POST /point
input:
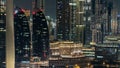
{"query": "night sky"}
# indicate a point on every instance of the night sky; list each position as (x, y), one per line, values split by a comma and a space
(49, 6)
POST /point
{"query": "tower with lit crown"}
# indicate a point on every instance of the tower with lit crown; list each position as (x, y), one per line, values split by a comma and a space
(101, 10)
(22, 36)
(40, 33)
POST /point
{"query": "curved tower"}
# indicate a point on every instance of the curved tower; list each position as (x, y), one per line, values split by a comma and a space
(22, 36)
(40, 35)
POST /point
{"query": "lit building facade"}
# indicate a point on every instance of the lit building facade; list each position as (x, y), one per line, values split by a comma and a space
(2, 36)
(72, 19)
(40, 31)
(115, 24)
(39, 4)
(101, 19)
(79, 27)
(2, 31)
(63, 23)
(118, 16)
(87, 21)
(22, 36)
(40, 35)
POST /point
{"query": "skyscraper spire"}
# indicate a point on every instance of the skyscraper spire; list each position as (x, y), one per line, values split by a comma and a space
(42, 3)
(39, 4)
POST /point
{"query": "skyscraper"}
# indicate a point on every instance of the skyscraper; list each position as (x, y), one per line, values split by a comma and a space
(101, 19)
(87, 21)
(2, 36)
(40, 36)
(72, 19)
(118, 16)
(40, 31)
(22, 36)
(2, 31)
(63, 22)
(80, 22)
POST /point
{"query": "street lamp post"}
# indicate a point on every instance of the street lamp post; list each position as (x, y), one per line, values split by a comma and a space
(10, 48)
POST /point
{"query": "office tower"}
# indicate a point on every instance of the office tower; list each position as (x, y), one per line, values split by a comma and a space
(87, 21)
(118, 15)
(22, 36)
(79, 22)
(101, 19)
(40, 35)
(40, 32)
(72, 19)
(118, 21)
(2, 36)
(39, 4)
(63, 22)
(109, 16)
(2, 31)
(115, 18)
(114, 24)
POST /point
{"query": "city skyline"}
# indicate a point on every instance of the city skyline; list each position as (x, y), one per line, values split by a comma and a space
(87, 34)
(50, 6)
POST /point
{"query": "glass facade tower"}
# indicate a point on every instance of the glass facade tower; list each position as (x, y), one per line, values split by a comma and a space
(40, 36)
(22, 36)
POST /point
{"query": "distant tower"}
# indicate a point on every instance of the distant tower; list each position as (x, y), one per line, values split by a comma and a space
(101, 20)
(40, 32)
(63, 19)
(72, 19)
(22, 36)
(2, 31)
(40, 35)
(39, 4)
(42, 4)
(87, 22)
(79, 21)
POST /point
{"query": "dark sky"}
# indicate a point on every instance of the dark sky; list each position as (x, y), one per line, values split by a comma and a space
(49, 6)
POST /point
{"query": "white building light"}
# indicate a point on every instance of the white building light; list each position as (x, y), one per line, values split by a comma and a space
(72, 4)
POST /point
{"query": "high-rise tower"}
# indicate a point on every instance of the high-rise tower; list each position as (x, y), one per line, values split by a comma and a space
(2, 31)
(40, 36)
(22, 36)
(63, 16)
(101, 10)
(40, 32)
(39, 4)
(87, 21)
(72, 19)
(2, 36)
(79, 21)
